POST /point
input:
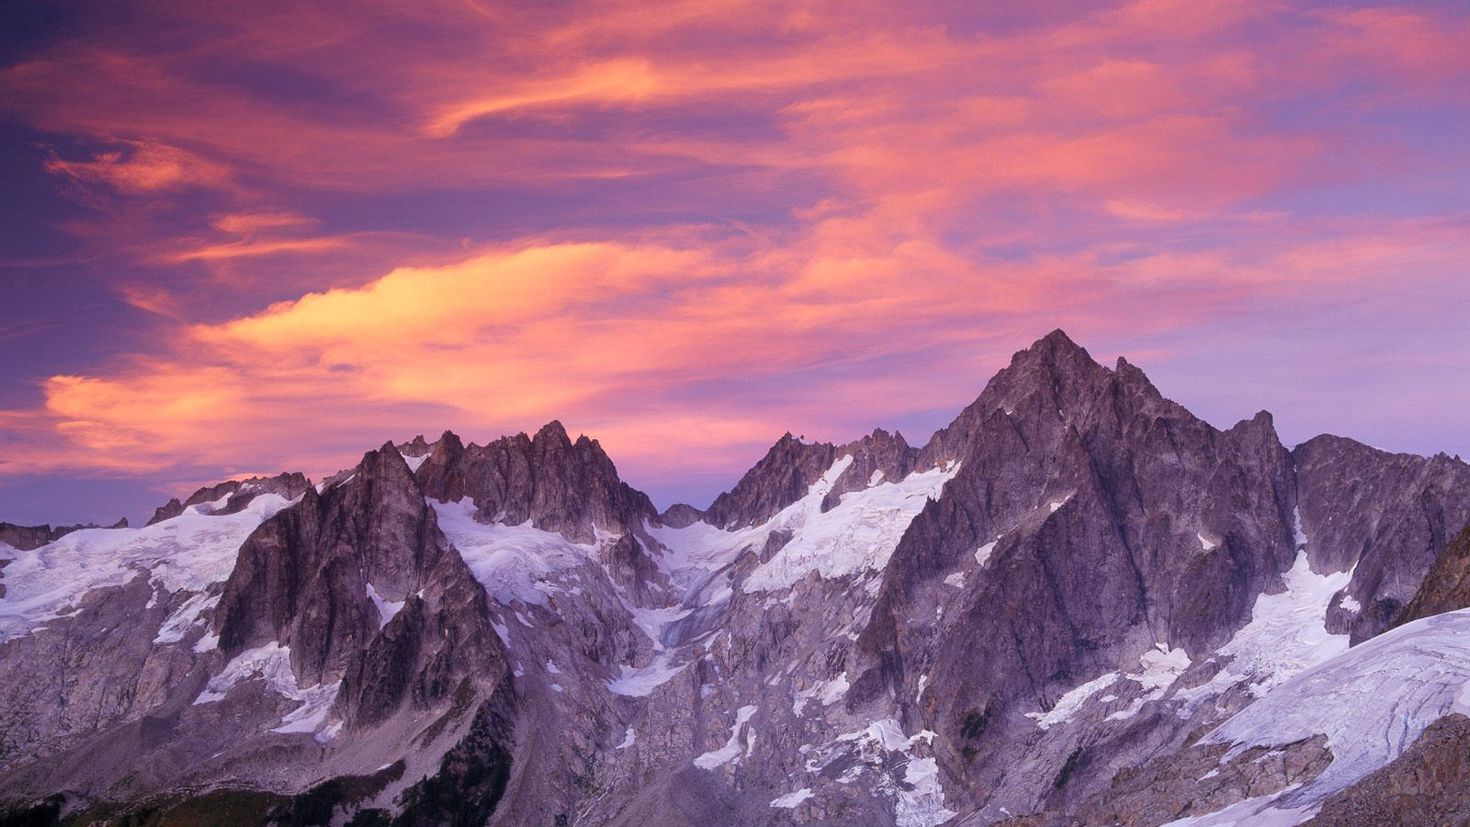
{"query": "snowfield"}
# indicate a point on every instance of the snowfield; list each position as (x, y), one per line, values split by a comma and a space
(1371, 702)
(512, 562)
(187, 553)
(858, 534)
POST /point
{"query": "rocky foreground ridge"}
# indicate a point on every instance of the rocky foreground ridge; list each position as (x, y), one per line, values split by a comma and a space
(1076, 604)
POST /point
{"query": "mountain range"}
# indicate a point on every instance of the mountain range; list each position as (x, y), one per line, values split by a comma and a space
(1078, 603)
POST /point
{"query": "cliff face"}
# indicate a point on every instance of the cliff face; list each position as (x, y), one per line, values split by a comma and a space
(1384, 516)
(359, 584)
(1446, 587)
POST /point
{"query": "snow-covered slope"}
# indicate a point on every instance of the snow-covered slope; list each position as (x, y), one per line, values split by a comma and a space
(1370, 701)
(856, 535)
(186, 553)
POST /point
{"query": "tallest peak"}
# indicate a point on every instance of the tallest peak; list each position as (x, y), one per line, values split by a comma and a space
(552, 430)
(1057, 343)
(1055, 350)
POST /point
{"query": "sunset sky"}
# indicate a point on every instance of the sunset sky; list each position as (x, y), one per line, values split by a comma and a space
(241, 238)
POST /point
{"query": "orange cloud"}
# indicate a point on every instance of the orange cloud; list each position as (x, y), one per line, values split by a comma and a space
(142, 167)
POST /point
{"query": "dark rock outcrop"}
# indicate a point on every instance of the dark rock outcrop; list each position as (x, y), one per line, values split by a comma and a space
(788, 470)
(1447, 585)
(25, 537)
(781, 477)
(28, 537)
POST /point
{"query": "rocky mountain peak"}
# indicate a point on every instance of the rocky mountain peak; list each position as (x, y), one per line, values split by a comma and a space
(1037, 613)
(557, 484)
(416, 447)
(780, 478)
(552, 433)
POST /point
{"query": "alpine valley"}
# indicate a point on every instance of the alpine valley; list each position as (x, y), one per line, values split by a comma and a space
(1076, 604)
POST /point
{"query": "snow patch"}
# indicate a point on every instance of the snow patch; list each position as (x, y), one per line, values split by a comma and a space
(922, 804)
(1161, 667)
(792, 800)
(1205, 543)
(858, 534)
(629, 739)
(732, 749)
(272, 664)
(1287, 634)
(827, 692)
(1068, 705)
(1371, 701)
(982, 554)
(387, 609)
(918, 799)
(178, 624)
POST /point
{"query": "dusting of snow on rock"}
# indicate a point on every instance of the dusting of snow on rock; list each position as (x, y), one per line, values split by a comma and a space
(1067, 705)
(956, 580)
(511, 562)
(387, 609)
(792, 800)
(187, 553)
(733, 748)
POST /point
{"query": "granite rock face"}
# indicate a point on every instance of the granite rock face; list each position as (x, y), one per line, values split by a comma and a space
(1447, 585)
(1042, 616)
(315, 579)
(1385, 516)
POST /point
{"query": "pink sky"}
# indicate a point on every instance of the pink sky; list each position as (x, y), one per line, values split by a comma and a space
(253, 238)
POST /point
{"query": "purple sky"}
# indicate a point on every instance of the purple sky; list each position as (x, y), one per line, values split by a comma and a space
(242, 239)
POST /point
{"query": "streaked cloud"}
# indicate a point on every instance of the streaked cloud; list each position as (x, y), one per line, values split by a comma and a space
(697, 227)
